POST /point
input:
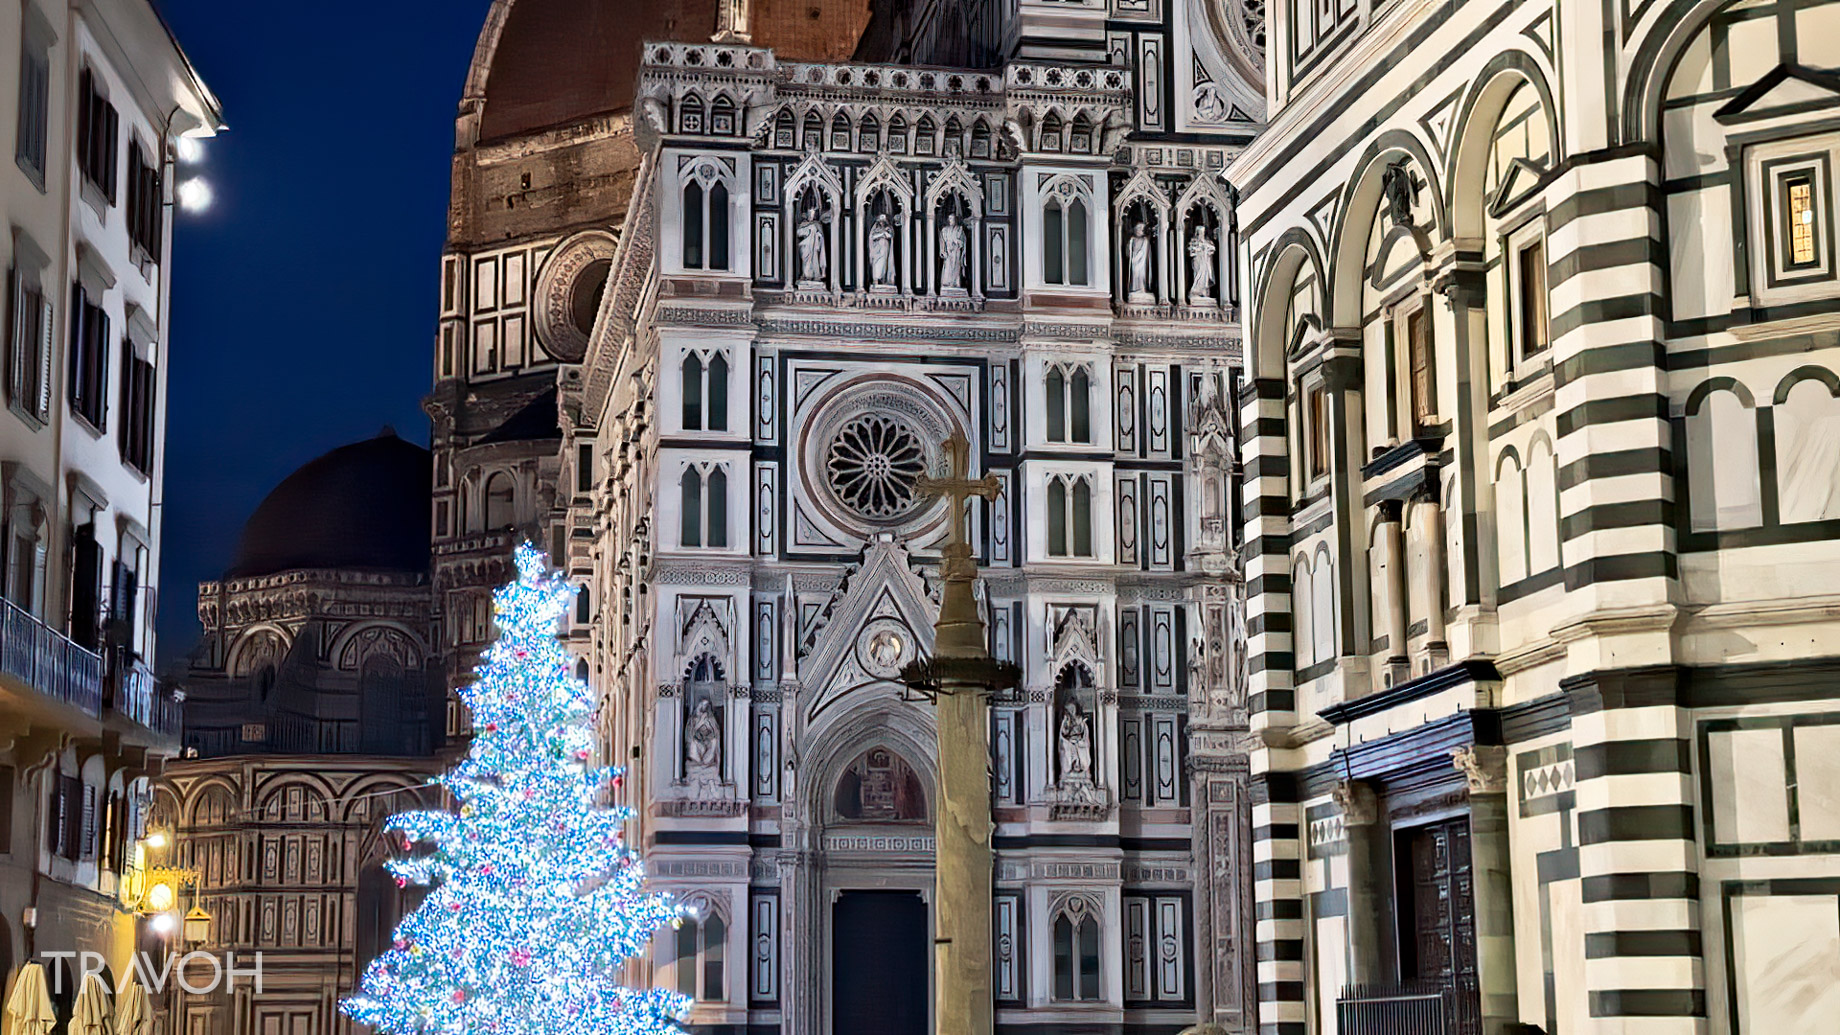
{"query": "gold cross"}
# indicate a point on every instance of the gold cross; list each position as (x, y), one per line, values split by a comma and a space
(957, 487)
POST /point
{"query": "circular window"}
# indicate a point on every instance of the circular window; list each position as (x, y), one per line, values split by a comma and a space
(585, 298)
(872, 465)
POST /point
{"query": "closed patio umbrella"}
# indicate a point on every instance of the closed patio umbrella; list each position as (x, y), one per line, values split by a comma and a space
(28, 1009)
(91, 1015)
(133, 1010)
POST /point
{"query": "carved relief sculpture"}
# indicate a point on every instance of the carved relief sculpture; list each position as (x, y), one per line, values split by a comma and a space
(952, 256)
(1137, 260)
(812, 268)
(1201, 249)
(703, 750)
(1076, 745)
(881, 254)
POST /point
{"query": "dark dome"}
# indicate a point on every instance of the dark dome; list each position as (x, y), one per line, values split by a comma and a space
(363, 506)
(559, 61)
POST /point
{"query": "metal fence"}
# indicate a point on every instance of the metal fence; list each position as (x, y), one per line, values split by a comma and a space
(48, 661)
(1410, 1008)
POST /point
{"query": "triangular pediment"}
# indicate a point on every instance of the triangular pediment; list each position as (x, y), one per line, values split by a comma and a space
(886, 595)
(1521, 180)
(1787, 89)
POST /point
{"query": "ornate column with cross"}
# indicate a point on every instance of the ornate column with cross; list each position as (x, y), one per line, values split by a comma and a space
(959, 676)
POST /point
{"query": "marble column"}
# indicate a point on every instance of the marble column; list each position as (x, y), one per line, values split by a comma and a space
(1369, 957)
(1428, 518)
(1392, 545)
(1486, 770)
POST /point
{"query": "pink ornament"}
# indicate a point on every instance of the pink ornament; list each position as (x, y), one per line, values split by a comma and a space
(459, 995)
(520, 957)
(402, 882)
(401, 944)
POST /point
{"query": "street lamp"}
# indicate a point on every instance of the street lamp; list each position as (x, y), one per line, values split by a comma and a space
(197, 923)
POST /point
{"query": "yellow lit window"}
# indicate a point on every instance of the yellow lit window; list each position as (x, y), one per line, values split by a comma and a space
(1801, 221)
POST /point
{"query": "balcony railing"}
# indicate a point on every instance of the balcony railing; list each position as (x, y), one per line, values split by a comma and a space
(138, 697)
(1413, 1008)
(48, 661)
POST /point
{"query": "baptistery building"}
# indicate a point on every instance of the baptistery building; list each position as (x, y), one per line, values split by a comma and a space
(1541, 516)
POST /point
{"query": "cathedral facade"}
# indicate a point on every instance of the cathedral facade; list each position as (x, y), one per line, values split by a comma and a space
(827, 270)
(1541, 369)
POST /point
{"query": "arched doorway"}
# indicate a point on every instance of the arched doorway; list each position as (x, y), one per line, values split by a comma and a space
(879, 867)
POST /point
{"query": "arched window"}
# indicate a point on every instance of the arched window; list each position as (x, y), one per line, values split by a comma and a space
(1053, 244)
(722, 117)
(784, 128)
(718, 393)
(1079, 390)
(718, 226)
(1322, 601)
(690, 115)
(1303, 616)
(693, 225)
(1069, 516)
(701, 946)
(1543, 507)
(1057, 527)
(584, 610)
(690, 505)
(813, 131)
(897, 134)
(955, 134)
(1807, 451)
(1510, 520)
(693, 392)
(840, 132)
(980, 140)
(1065, 240)
(926, 133)
(1076, 953)
(381, 687)
(1051, 132)
(1723, 487)
(1082, 518)
(501, 502)
(705, 220)
(718, 507)
(581, 669)
(1081, 141)
(703, 498)
(869, 135)
(1056, 388)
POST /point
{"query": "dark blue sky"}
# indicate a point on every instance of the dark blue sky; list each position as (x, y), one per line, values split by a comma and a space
(304, 299)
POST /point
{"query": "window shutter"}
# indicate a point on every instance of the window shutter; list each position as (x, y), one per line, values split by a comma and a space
(17, 329)
(72, 808)
(43, 332)
(87, 846)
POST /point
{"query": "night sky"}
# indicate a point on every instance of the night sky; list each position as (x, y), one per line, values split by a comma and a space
(304, 300)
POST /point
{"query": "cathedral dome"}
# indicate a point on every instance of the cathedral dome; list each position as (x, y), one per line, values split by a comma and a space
(551, 62)
(362, 506)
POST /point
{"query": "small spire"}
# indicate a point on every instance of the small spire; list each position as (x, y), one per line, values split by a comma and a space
(389, 431)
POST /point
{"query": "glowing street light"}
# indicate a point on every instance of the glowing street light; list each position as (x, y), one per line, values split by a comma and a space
(194, 195)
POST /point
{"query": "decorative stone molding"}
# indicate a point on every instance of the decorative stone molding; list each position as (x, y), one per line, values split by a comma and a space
(1485, 768)
(1356, 802)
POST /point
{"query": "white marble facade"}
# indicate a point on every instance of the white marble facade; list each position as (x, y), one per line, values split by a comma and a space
(827, 271)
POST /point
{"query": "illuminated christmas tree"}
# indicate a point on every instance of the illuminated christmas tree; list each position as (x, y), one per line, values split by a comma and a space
(536, 902)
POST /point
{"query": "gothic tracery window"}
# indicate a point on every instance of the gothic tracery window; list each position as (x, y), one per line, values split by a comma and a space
(1076, 952)
(1064, 241)
(703, 507)
(1069, 404)
(701, 944)
(705, 393)
(872, 466)
(1069, 516)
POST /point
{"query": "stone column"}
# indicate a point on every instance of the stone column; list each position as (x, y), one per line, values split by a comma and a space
(1430, 520)
(1486, 769)
(1393, 556)
(1369, 956)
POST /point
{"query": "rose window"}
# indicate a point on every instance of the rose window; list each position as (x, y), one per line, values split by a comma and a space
(873, 464)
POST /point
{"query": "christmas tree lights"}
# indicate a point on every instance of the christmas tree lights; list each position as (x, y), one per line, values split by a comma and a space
(536, 902)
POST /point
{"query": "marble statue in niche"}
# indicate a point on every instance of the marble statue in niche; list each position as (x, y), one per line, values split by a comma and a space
(812, 267)
(880, 787)
(1137, 261)
(881, 253)
(1075, 745)
(703, 747)
(952, 255)
(1201, 249)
